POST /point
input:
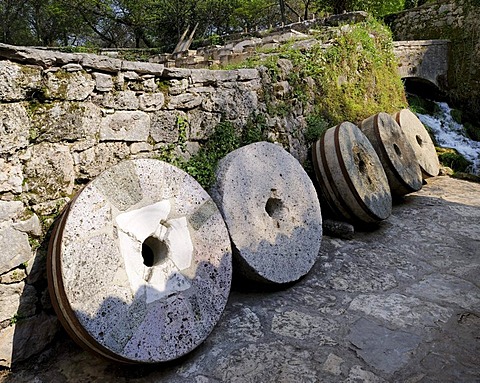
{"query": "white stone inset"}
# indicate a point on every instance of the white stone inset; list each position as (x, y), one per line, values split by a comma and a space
(163, 277)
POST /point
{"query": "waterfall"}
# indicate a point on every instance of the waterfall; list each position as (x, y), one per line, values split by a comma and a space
(450, 134)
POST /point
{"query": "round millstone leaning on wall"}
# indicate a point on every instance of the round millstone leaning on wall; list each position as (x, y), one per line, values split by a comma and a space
(351, 177)
(272, 213)
(421, 142)
(139, 264)
(395, 152)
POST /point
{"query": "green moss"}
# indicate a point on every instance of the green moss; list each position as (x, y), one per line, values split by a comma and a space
(473, 131)
(454, 160)
(355, 77)
(316, 126)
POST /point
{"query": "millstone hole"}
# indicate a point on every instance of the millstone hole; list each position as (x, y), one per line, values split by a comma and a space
(154, 251)
(419, 140)
(397, 150)
(274, 207)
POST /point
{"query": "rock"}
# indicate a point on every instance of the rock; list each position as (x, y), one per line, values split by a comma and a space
(17, 300)
(391, 354)
(13, 276)
(69, 86)
(338, 229)
(164, 126)
(30, 226)
(17, 81)
(127, 126)
(65, 121)
(14, 249)
(26, 338)
(185, 101)
(122, 100)
(11, 176)
(333, 364)
(50, 173)
(10, 210)
(271, 210)
(103, 82)
(14, 127)
(151, 102)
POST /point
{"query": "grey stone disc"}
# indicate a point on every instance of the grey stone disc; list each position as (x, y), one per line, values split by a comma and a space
(421, 142)
(272, 213)
(139, 264)
(395, 152)
(351, 177)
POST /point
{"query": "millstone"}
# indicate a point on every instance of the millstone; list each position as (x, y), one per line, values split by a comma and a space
(272, 213)
(351, 177)
(421, 142)
(395, 152)
(139, 264)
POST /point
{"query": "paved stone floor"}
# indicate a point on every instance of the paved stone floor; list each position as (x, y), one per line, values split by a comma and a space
(397, 304)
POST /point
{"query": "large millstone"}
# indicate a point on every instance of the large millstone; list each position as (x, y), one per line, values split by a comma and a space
(272, 213)
(395, 152)
(139, 264)
(421, 142)
(350, 175)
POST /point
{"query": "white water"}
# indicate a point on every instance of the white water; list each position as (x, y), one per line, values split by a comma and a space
(450, 134)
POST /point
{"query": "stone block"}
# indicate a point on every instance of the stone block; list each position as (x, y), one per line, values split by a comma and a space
(185, 101)
(14, 249)
(70, 86)
(151, 102)
(26, 338)
(164, 126)
(202, 124)
(130, 126)
(14, 127)
(11, 176)
(50, 173)
(18, 81)
(123, 100)
(10, 210)
(65, 121)
(103, 82)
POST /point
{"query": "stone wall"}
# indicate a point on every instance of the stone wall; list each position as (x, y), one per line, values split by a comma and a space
(457, 21)
(64, 118)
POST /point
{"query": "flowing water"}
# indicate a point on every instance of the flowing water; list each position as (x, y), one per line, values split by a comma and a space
(450, 134)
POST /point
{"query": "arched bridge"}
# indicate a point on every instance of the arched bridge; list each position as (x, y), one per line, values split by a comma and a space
(423, 59)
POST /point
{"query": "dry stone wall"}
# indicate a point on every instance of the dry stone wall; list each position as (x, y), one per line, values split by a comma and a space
(64, 118)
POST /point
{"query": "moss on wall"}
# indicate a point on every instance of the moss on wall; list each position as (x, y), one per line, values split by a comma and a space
(457, 21)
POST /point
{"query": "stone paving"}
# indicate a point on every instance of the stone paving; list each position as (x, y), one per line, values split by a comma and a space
(400, 303)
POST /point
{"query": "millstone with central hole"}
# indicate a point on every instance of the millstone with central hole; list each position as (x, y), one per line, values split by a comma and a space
(272, 213)
(351, 177)
(395, 152)
(139, 264)
(420, 141)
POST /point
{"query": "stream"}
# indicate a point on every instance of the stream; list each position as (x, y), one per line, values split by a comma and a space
(450, 134)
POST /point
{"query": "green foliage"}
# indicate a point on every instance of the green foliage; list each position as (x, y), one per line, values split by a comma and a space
(316, 126)
(202, 165)
(452, 159)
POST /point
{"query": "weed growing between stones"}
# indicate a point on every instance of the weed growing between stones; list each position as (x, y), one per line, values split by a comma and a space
(354, 77)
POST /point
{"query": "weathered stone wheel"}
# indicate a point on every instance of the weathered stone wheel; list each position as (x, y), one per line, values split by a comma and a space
(272, 213)
(350, 175)
(395, 152)
(421, 142)
(139, 264)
